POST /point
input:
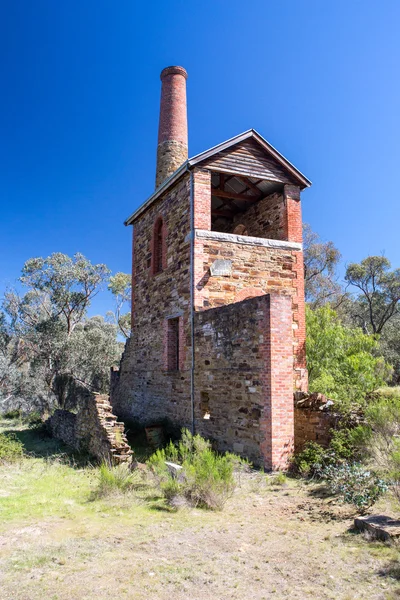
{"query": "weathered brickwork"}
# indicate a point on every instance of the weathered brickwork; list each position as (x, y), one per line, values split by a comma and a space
(314, 419)
(260, 268)
(243, 378)
(218, 326)
(172, 148)
(265, 219)
(148, 391)
(94, 429)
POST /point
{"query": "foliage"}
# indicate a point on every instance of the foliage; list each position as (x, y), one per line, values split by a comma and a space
(320, 263)
(381, 438)
(12, 414)
(389, 345)
(114, 479)
(206, 479)
(355, 484)
(313, 459)
(342, 362)
(64, 286)
(48, 336)
(11, 449)
(380, 291)
(120, 286)
(279, 479)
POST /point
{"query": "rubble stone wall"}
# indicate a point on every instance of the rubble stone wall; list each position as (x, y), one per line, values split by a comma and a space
(314, 420)
(94, 429)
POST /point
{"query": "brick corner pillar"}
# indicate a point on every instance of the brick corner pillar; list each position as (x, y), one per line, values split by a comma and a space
(277, 420)
(172, 149)
(294, 233)
(202, 199)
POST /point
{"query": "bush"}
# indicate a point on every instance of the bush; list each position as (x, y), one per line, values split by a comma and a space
(206, 478)
(114, 479)
(11, 449)
(355, 484)
(12, 414)
(344, 446)
(342, 362)
(34, 420)
(381, 438)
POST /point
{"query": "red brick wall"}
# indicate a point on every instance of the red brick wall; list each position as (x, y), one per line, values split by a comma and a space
(202, 199)
(278, 423)
(294, 232)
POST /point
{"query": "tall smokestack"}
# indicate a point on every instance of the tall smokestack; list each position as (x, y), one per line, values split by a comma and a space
(172, 149)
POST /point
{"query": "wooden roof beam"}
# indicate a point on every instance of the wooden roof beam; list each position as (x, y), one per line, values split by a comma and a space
(250, 185)
(232, 195)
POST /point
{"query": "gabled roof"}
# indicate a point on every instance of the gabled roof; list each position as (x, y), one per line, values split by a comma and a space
(254, 135)
(251, 134)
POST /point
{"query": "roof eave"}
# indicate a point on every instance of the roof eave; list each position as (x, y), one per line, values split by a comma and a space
(172, 179)
(252, 133)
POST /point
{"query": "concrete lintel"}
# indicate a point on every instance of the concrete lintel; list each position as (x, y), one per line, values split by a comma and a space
(246, 240)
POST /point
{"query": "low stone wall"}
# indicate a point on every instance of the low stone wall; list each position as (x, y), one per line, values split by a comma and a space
(94, 429)
(314, 419)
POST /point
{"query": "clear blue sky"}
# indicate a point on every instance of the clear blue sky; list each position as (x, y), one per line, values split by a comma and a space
(79, 113)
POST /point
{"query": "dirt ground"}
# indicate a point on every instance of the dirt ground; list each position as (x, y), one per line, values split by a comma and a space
(270, 541)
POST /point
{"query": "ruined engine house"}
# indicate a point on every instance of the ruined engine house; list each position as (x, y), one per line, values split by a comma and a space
(218, 320)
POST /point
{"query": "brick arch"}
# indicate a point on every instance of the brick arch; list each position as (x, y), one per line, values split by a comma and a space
(248, 292)
(159, 246)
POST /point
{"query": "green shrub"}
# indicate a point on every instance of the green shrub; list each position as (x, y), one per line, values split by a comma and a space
(114, 479)
(206, 478)
(355, 484)
(311, 460)
(11, 449)
(34, 420)
(381, 438)
(279, 479)
(342, 362)
(344, 446)
(12, 414)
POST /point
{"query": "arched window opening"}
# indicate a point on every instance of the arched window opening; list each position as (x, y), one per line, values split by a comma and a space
(158, 246)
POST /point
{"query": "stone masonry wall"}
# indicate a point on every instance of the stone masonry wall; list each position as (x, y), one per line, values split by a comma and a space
(243, 378)
(147, 391)
(314, 420)
(94, 429)
(255, 270)
(264, 219)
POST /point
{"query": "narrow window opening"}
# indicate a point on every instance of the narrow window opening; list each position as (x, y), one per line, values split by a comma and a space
(158, 247)
(205, 405)
(173, 349)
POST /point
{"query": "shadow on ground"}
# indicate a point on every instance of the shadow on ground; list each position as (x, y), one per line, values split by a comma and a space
(38, 443)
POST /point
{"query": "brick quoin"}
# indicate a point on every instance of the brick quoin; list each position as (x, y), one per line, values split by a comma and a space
(294, 233)
(202, 199)
(278, 419)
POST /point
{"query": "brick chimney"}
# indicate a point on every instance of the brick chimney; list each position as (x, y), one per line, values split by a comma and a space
(172, 148)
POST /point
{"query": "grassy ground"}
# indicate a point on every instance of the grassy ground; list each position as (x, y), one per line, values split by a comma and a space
(289, 541)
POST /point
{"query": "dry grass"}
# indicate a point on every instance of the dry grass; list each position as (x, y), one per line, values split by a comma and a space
(280, 539)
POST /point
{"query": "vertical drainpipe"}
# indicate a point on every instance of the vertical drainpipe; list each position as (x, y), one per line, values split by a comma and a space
(192, 295)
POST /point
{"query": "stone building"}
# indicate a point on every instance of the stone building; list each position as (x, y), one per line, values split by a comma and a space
(218, 324)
